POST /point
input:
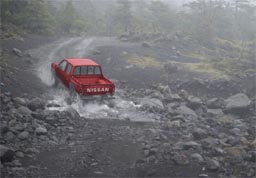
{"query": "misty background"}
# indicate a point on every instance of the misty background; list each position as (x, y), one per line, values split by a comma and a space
(203, 20)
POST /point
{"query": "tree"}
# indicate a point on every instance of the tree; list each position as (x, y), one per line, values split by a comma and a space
(31, 15)
(67, 17)
(162, 18)
(246, 21)
(203, 15)
(123, 15)
(69, 21)
(142, 18)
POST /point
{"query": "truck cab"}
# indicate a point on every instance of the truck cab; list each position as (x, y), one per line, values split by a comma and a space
(82, 76)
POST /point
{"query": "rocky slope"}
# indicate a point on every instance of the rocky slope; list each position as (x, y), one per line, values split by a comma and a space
(206, 137)
(188, 126)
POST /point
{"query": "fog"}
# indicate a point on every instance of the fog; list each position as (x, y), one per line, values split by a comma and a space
(175, 98)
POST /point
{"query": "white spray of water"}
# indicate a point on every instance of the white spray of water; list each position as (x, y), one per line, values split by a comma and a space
(118, 109)
(73, 47)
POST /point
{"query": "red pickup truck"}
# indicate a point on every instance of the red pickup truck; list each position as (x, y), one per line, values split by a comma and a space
(82, 76)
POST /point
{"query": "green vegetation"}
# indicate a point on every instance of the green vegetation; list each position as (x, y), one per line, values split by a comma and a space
(143, 61)
(201, 20)
(33, 16)
(68, 21)
(207, 68)
(41, 17)
(223, 68)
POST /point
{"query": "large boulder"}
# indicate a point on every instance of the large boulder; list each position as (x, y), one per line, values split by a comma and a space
(23, 135)
(237, 104)
(186, 112)
(20, 101)
(36, 103)
(6, 154)
(152, 104)
(24, 111)
(194, 102)
(72, 113)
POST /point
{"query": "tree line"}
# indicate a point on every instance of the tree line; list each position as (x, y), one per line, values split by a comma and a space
(203, 20)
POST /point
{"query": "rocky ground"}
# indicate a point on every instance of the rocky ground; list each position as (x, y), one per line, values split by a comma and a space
(181, 127)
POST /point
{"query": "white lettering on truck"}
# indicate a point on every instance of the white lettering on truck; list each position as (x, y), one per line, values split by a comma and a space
(89, 90)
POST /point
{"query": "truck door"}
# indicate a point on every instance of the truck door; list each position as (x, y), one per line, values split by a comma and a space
(60, 70)
(66, 75)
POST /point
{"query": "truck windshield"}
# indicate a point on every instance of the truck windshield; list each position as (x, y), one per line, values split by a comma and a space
(87, 70)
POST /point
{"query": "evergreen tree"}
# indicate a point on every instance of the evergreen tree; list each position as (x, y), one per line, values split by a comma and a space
(31, 15)
(123, 16)
(69, 21)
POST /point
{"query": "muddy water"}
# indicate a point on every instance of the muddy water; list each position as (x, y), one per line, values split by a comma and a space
(118, 108)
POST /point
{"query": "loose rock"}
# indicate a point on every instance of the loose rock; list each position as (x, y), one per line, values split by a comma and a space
(6, 154)
(187, 112)
(213, 165)
(40, 130)
(20, 101)
(194, 102)
(24, 111)
(186, 145)
(23, 135)
(214, 112)
(199, 133)
(180, 159)
(238, 103)
(152, 103)
(36, 103)
(197, 157)
(17, 52)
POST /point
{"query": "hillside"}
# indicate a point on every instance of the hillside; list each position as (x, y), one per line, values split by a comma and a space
(185, 96)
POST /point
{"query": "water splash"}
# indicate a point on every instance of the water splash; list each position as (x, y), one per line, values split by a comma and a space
(64, 48)
(117, 108)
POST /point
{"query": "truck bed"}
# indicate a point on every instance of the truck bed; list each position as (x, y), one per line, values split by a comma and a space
(93, 81)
